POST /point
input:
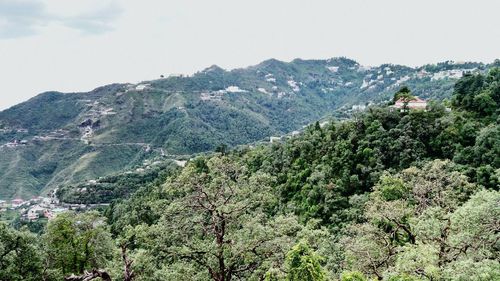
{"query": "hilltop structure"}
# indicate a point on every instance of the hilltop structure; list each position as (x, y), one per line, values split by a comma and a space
(415, 103)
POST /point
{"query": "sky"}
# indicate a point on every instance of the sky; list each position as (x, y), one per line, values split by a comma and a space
(74, 46)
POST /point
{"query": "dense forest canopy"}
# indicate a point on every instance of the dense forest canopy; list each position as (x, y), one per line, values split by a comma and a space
(389, 194)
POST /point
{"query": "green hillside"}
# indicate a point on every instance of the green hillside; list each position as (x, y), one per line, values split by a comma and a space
(386, 195)
(74, 137)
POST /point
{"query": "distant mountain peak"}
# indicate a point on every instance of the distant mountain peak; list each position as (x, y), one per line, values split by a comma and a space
(213, 68)
(342, 60)
(272, 62)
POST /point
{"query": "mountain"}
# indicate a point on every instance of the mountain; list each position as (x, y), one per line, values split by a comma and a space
(384, 195)
(55, 139)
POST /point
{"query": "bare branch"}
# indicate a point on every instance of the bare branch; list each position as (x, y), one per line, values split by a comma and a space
(87, 276)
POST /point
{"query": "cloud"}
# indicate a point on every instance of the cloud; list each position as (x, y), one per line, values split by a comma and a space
(21, 18)
(94, 22)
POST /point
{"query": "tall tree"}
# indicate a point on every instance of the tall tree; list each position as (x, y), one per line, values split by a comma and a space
(218, 222)
(20, 255)
(403, 91)
(78, 242)
(423, 224)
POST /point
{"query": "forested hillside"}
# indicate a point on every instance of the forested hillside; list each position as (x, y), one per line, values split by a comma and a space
(57, 139)
(387, 195)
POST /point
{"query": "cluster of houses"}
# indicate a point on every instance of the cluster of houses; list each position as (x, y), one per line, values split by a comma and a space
(277, 139)
(7, 130)
(42, 207)
(16, 143)
(35, 208)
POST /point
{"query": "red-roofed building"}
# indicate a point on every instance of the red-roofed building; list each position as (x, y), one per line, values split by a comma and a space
(416, 103)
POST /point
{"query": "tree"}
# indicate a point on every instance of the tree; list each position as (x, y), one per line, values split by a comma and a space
(302, 264)
(126, 241)
(478, 94)
(221, 148)
(487, 146)
(424, 224)
(402, 92)
(465, 89)
(217, 223)
(397, 207)
(475, 228)
(20, 255)
(484, 104)
(274, 274)
(78, 242)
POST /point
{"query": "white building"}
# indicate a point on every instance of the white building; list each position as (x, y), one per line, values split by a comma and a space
(35, 212)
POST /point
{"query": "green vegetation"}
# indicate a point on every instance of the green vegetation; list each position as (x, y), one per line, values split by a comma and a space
(427, 227)
(75, 243)
(303, 264)
(34, 169)
(108, 188)
(19, 255)
(386, 195)
(188, 115)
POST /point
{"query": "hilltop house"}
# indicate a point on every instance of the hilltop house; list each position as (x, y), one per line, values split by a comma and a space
(416, 103)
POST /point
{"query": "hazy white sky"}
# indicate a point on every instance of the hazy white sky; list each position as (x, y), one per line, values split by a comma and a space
(77, 45)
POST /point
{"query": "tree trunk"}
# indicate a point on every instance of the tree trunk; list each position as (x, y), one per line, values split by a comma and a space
(128, 273)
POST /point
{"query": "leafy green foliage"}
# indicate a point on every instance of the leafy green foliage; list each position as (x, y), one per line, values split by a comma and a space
(479, 94)
(429, 230)
(216, 223)
(19, 255)
(353, 276)
(303, 264)
(109, 188)
(77, 242)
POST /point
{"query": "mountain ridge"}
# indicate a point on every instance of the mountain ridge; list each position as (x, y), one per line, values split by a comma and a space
(72, 137)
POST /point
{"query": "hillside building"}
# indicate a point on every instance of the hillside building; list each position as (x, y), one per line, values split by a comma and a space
(416, 103)
(17, 203)
(3, 205)
(35, 212)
